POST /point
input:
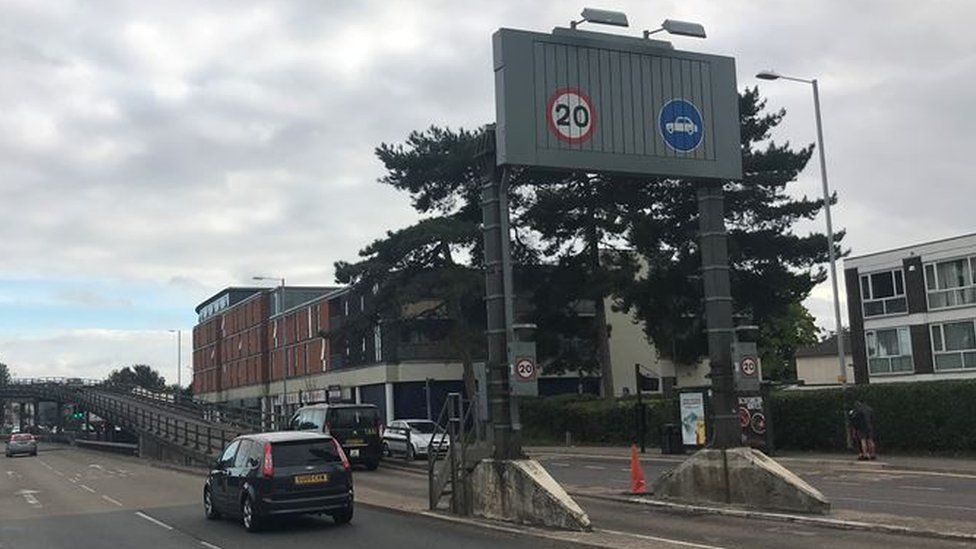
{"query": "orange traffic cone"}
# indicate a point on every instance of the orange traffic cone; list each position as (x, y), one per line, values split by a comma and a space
(637, 483)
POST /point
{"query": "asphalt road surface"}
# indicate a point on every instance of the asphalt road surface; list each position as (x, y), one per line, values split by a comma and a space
(70, 498)
(80, 499)
(859, 487)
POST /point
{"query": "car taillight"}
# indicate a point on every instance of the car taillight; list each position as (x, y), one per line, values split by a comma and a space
(268, 468)
(342, 454)
(379, 428)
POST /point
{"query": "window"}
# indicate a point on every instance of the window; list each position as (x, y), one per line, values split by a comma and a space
(951, 283)
(883, 293)
(889, 351)
(954, 345)
(227, 458)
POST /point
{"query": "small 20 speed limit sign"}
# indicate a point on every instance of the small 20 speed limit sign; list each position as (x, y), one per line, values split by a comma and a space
(570, 115)
(525, 369)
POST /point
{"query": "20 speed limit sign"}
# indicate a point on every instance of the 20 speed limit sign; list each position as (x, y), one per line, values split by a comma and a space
(570, 115)
(525, 369)
(749, 365)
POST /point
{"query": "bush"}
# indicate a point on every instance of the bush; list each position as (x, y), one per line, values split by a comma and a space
(591, 420)
(932, 416)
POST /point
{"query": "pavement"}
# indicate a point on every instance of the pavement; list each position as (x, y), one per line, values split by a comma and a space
(78, 498)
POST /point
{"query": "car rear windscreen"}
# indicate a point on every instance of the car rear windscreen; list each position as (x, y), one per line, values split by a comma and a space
(354, 417)
(303, 452)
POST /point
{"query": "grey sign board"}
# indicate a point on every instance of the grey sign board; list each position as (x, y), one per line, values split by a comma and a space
(747, 368)
(578, 100)
(523, 368)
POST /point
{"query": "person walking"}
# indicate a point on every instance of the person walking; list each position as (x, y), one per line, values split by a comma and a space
(861, 417)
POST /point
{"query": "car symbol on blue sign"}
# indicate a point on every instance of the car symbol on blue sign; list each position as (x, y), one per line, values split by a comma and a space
(680, 124)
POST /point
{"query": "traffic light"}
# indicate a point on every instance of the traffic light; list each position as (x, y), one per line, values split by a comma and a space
(78, 415)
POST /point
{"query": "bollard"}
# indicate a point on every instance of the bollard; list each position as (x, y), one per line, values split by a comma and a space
(569, 438)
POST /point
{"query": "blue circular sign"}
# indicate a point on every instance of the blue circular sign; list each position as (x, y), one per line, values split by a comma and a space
(680, 124)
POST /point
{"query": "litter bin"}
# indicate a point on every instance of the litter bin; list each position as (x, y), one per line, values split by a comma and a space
(671, 442)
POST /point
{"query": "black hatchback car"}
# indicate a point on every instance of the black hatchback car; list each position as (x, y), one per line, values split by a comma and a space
(357, 427)
(281, 473)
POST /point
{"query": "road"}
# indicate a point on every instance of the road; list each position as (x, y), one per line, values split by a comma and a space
(80, 499)
(858, 487)
(70, 498)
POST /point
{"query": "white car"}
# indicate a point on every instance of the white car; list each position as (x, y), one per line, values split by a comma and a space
(413, 437)
(681, 124)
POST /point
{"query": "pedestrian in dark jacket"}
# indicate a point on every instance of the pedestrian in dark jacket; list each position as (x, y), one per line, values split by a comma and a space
(861, 417)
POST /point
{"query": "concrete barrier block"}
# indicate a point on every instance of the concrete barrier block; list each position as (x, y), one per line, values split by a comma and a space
(521, 491)
(740, 476)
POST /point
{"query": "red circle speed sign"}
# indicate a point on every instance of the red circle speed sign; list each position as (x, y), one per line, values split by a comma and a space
(570, 115)
(525, 369)
(749, 365)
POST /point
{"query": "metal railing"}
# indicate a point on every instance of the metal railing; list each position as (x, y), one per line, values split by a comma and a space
(462, 426)
(199, 435)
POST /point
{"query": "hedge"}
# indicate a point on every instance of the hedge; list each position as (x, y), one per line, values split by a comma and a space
(932, 416)
(913, 417)
(590, 419)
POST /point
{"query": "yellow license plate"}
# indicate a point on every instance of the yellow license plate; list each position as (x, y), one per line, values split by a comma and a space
(312, 479)
(355, 441)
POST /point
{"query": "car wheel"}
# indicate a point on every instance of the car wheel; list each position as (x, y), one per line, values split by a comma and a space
(249, 519)
(372, 464)
(411, 454)
(34, 453)
(386, 450)
(208, 507)
(344, 516)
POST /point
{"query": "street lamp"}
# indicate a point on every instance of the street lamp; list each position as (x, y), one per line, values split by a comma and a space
(601, 17)
(679, 28)
(772, 75)
(179, 357)
(280, 308)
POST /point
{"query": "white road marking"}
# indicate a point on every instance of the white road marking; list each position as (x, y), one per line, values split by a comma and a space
(209, 545)
(154, 521)
(44, 463)
(83, 487)
(559, 464)
(626, 469)
(59, 473)
(655, 538)
(110, 500)
(929, 488)
(594, 467)
(29, 497)
(73, 480)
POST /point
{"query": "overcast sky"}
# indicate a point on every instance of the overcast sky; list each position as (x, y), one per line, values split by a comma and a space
(152, 153)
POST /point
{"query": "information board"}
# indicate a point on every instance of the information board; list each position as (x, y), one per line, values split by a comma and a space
(579, 100)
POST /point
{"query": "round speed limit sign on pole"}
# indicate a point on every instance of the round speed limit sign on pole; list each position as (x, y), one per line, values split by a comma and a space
(525, 369)
(570, 115)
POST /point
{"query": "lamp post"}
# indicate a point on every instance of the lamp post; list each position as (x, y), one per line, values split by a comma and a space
(280, 306)
(772, 75)
(179, 357)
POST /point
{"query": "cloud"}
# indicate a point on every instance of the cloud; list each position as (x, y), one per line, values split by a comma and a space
(93, 353)
(185, 146)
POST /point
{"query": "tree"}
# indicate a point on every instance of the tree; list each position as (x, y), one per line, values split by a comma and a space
(140, 375)
(772, 269)
(413, 275)
(4, 374)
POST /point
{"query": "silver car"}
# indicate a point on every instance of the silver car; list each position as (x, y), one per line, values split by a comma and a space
(413, 437)
(21, 443)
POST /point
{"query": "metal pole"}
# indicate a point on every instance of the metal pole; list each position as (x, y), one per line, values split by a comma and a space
(179, 359)
(427, 391)
(830, 237)
(718, 312)
(497, 284)
(284, 350)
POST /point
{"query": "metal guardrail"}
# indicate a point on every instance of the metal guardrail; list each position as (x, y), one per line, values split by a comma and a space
(459, 418)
